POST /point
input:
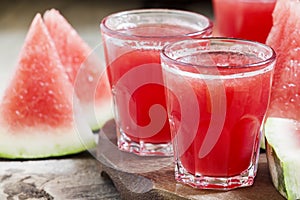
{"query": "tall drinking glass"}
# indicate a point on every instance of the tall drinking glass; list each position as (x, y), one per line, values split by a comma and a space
(132, 41)
(217, 95)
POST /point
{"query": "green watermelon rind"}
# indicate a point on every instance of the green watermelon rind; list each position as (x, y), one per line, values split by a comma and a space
(45, 144)
(23, 154)
(283, 150)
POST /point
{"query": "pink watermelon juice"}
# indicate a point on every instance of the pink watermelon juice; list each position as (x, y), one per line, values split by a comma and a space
(247, 19)
(244, 114)
(216, 105)
(134, 71)
(141, 100)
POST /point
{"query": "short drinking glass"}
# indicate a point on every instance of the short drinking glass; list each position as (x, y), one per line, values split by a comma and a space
(217, 96)
(132, 42)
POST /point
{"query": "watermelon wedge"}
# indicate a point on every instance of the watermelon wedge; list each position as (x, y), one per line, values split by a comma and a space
(283, 123)
(284, 38)
(39, 116)
(85, 70)
(283, 136)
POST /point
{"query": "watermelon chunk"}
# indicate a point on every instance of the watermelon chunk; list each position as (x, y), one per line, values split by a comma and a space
(283, 141)
(283, 123)
(39, 115)
(85, 70)
(284, 38)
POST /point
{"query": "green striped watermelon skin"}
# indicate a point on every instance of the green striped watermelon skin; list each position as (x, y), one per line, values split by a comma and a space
(283, 140)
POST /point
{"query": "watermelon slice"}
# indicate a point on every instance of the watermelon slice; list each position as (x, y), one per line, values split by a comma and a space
(85, 70)
(283, 37)
(283, 122)
(38, 113)
(283, 136)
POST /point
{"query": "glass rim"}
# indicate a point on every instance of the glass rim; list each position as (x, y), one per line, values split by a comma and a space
(105, 28)
(264, 62)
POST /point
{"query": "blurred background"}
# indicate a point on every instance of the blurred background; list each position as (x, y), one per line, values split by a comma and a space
(85, 16)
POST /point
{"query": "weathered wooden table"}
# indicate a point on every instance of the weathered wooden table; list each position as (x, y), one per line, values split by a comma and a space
(72, 177)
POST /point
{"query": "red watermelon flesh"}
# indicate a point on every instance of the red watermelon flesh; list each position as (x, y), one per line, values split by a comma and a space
(282, 125)
(38, 115)
(284, 38)
(85, 70)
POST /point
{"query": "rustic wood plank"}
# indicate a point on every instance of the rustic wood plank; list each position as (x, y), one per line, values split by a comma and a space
(153, 177)
(71, 177)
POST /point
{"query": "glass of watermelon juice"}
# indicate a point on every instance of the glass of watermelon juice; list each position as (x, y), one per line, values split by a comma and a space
(217, 95)
(132, 43)
(247, 19)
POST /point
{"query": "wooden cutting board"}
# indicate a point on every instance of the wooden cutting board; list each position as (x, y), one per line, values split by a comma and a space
(153, 177)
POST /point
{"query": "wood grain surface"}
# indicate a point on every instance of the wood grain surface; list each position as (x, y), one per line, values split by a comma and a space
(73, 177)
(153, 177)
